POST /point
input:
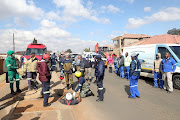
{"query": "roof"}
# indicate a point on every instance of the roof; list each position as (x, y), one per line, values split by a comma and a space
(160, 39)
(135, 36)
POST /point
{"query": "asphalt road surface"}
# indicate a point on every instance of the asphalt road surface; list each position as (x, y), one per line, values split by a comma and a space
(154, 104)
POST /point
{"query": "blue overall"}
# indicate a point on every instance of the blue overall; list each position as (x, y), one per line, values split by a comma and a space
(61, 60)
(45, 91)
(116, 69)
(54, 57)
(135, 69)
(100, 73)
(158, 76)
(81, 82)
(121, 70)
(127, 72)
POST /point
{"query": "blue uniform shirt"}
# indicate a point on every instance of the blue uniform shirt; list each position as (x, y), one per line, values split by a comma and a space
(135, 67)
(81, 82)
(67, 61)
(54, 57)
(100, 70)
(168, 65)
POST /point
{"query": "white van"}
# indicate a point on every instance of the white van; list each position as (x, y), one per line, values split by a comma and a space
(147, 54)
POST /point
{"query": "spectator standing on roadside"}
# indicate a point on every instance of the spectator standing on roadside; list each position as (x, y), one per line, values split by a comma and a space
(157, 71)
(127, 62)
(168, 66)
(120, 65)
(110, 63)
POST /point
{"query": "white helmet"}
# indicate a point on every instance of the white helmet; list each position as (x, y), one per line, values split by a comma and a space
(69, 96)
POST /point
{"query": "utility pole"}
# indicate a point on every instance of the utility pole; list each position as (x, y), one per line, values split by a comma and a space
(13, 44)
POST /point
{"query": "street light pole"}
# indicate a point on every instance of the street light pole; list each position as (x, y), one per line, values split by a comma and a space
(13, 44)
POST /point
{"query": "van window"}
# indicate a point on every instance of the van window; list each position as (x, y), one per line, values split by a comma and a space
(163, 51)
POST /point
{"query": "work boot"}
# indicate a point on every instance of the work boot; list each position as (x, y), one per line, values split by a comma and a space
(68, 86)
(99, 100)
(47, 105)
(18, 91)
(12, 92)
(72, 86)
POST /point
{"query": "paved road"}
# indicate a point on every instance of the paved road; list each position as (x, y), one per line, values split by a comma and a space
(154, 104)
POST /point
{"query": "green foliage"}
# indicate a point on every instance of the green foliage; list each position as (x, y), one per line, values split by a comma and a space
(174, 31)
(87, 50)
(69, 51)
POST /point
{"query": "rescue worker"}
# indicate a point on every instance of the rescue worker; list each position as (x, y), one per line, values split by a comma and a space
(67, 99)
(77, 61)
(120, 65)
(12, 72)
(157, 71)
(127, 62)
(100, 77)
(44, 77)
(88, 69)
(61, 60)
(134, 73)
(83, 87)
(53, 60)
(82, 65)
(67, 65)
(96, 70)
(168, 66)
(30, 68)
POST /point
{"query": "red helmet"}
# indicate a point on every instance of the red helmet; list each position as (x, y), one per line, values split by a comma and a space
(45, 56)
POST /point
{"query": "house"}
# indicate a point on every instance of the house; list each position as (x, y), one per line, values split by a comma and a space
(125, 40)
(159, 39)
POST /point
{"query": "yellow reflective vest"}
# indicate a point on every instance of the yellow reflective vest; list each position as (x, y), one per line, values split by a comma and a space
(127, 61)
(30, 65)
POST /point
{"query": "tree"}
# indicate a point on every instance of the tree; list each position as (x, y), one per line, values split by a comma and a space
(35, 41)
(69, 51)
(87, 50)
(174, 31)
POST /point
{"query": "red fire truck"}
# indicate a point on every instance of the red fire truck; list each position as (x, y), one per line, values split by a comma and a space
(38, 49)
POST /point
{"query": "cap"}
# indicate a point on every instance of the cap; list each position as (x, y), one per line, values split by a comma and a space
(133, 54)
(98, 56)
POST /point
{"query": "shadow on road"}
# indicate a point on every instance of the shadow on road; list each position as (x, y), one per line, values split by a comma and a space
(148, 80)
(10, 102)
(127, 90)
(17, 116)
(36, 118)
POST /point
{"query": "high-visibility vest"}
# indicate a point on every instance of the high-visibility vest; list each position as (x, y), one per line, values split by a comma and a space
(127, 61)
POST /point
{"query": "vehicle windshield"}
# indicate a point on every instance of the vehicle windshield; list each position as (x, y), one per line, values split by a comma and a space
(176, 50)
(37, 51)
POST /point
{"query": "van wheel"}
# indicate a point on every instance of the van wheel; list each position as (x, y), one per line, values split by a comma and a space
(176, 81)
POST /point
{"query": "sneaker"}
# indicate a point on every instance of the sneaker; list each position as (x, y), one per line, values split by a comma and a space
(47, 105)
(169, 92)
(99, 100)
(131, 97)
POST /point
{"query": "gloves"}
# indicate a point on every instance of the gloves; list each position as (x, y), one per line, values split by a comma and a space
(74, 95)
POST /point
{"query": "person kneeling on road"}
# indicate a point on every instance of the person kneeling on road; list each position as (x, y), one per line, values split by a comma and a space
(44, 77)
(67, 99)
(83, 87)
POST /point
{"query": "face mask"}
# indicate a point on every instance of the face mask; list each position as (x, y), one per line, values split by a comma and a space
(13, 55)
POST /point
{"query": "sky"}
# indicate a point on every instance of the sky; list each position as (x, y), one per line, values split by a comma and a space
(80, 24)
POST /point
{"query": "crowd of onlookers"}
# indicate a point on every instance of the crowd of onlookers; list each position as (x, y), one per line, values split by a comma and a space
(163, 69)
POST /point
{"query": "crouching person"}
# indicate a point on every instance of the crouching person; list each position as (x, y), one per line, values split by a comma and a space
(83, 86)
(67, 99)
(44, 77)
